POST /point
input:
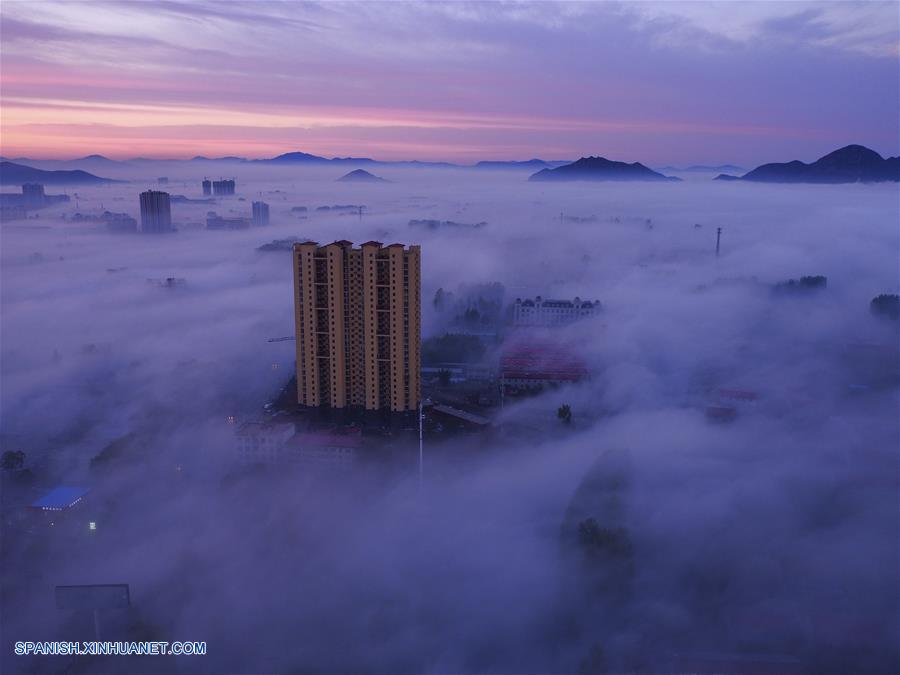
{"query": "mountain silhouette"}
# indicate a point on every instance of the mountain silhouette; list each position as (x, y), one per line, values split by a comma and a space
(600, 169)
(850, 164)
(361, 176)
(16, 174)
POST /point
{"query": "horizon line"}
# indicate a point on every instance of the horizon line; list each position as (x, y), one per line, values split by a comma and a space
(351, 158)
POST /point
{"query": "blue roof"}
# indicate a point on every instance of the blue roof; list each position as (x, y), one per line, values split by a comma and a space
(60, 498)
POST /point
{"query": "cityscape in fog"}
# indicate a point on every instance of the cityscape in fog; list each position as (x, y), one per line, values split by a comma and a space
(352, 381)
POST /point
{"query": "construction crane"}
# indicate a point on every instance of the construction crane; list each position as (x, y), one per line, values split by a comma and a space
(283, 339)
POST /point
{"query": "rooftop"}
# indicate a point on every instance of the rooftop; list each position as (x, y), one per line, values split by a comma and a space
(60, 498)
(326, 439)
(471, 418)
(265, 427)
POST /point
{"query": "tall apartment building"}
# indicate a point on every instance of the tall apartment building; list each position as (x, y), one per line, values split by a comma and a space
(207, 187)
(357, 313)
(223, 187)
(260, 213)
(156, 212)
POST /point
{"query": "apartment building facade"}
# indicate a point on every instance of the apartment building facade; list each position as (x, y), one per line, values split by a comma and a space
(358, 325)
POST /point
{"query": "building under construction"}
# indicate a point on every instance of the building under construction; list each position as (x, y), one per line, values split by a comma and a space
(357, 316)
(223, 187)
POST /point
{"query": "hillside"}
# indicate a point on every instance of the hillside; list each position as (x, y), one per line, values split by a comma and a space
(600, 169)
(16, 174)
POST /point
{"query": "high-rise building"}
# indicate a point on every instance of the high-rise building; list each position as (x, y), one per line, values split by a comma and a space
(207, 187)
(357, 320)
(260, 213)
(223, 187)
(156, 212)
(33, 195)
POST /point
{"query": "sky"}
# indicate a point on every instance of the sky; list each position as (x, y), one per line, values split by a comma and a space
(658, 82)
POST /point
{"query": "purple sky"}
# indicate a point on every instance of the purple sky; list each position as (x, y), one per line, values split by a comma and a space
(657, 82)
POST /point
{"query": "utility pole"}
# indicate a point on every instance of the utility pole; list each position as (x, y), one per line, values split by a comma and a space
(718, 239)
(421, 452)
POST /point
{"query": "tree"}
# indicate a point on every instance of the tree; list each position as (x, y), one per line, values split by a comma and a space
(564, 412)
(594, 663)
(802, 285)
(439, 299)
(12, 460)
(886, 305)
(452, 348)
(613, 542)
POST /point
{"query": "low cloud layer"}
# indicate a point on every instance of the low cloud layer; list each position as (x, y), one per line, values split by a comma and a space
(771, 535)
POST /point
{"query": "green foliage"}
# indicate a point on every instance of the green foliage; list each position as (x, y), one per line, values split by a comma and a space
(452, 348)
(12, 460)
(113, 451)
(610, 542)
(594, 663)
(478, 305)
(886, 305)
(802, 285)
(439, 299)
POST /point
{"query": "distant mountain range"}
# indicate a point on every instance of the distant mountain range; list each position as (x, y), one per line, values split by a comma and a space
(600, 169)
(853, 163)
(361, 176)
(16, 174)
(289, 158)
(527, 164)
(850, 164)
(702, 168)
(201, 158)
(91, 162)
(304, 158)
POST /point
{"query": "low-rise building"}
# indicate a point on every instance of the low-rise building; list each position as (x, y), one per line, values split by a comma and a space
(59, 509)
(119, 222)
(217, 222)
(13, 212)
(60, 498)
(541, 312)
(532, 366)
(31, 198)
(328, 449)
(455, 418)
(263, 442)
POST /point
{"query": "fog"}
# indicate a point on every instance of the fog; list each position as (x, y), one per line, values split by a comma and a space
(774, 535)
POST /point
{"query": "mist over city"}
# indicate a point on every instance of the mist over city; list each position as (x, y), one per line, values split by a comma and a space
(464, 386)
